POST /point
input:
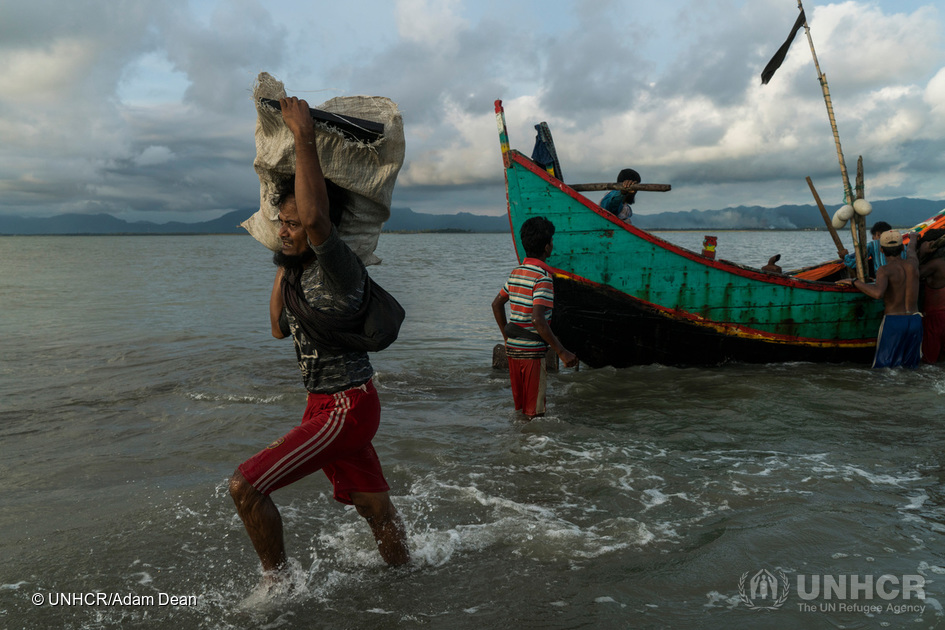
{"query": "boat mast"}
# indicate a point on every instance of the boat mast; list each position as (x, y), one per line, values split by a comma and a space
(847, 189)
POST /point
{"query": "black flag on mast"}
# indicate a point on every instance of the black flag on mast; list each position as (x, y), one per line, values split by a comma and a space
(779, 56)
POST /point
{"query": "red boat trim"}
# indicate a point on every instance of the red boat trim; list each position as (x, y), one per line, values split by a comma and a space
(732, 330)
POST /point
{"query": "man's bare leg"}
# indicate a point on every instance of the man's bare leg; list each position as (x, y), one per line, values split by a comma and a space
(388, 529)
(262, 521)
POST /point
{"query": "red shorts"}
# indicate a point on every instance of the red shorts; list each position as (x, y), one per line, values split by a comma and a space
(335, 436)
(528, 385)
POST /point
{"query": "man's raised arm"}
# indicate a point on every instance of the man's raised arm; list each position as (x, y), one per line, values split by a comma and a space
(311, 195)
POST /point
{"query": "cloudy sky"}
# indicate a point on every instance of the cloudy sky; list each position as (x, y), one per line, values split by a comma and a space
(142, 109)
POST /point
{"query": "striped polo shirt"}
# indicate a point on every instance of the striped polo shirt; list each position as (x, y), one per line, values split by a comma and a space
(529, 284)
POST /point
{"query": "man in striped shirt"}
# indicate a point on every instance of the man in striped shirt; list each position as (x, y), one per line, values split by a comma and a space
(527, 333)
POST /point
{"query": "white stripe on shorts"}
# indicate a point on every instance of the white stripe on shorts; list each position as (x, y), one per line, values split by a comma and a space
(311, 447)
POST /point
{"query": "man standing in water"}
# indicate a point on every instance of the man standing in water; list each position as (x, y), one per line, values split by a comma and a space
(897, 283)
(528, 335)
(932, 272)
(343, 409)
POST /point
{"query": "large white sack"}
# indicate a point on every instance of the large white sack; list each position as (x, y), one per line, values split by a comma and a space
(368, 171)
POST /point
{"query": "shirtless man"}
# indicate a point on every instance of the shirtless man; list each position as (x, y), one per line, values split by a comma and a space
(899, 341)
(932, 274)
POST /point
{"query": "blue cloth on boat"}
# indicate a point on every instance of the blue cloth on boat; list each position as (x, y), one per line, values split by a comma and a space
(613, 202)
(874, 256)
(899, 342)
(544, 156)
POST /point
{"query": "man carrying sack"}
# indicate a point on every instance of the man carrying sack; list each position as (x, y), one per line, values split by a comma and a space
(343, 410)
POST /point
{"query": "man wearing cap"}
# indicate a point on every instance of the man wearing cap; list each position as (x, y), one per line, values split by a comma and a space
(618, 202)
(874, 254)
(899, 341)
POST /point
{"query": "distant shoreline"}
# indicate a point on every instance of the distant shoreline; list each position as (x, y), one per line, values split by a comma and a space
(130, 234)
(435, 231)
(432, 231)
(904, 212)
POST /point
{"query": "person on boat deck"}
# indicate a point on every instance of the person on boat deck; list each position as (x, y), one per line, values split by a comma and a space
(619, 202)
(875, 258)
(899, 341)
(931, 251)
(527, 333)
(343, 409)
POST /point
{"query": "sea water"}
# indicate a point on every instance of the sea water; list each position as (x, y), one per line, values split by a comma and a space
(137, 372)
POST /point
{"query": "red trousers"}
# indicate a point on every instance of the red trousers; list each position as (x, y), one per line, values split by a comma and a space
(528, 385)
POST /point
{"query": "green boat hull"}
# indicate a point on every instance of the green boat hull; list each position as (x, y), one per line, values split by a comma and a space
(626, 297)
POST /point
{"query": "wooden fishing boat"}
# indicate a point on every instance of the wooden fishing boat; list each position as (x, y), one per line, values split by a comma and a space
(624, 296)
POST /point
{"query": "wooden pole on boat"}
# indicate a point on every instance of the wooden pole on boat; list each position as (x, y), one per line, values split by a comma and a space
(841, 250)
(618, 186)
(859, 218)
(860, 188)
(847, 190)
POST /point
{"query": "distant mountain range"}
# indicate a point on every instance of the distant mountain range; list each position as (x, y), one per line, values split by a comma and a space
(401, 220)
(902, 212)
(107, 224)
(406, 220)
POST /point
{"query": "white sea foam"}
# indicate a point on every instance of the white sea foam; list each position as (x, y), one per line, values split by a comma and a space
(253, 400)
(143, 577)
(939, 387)
(607, 600)
(718, 600)
(935, 605)
(883, 479)
(915, 502)
(925, 568)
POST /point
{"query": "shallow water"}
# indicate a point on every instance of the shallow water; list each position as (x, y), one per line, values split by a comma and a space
(137, 372)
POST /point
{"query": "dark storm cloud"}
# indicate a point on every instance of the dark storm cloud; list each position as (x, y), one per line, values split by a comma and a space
(670, 88)
(479, 65)
(595, 67)
(222, 58)
(718, 62)
(67, 106)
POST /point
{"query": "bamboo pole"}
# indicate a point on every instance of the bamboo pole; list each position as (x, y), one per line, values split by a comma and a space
(847, 190)
(841, 250)
(861, 220)
(633, 188)
(860, 188)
